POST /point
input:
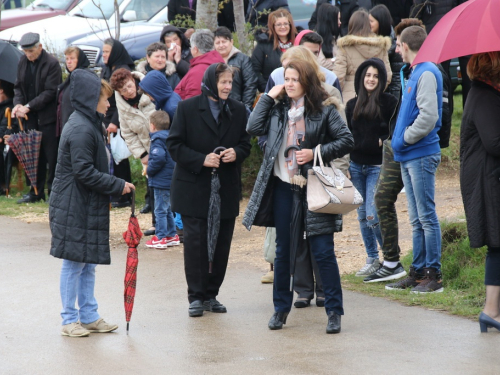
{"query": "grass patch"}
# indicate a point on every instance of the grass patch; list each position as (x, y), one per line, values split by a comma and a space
(250, 168)
(450, 156)
(463, 278)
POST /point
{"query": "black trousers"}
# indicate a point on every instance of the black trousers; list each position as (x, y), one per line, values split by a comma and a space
(202, 285)
(306, 272)
(492, 271)
(466, 82)
(122, 170)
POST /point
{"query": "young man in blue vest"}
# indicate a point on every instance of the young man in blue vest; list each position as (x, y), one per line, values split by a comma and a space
(416, 147)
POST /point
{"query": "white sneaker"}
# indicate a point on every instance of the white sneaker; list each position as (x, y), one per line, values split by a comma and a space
(372, 265)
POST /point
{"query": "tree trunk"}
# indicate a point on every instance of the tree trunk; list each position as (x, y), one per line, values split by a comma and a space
(206, 14)
(118, 20)
(239, 20)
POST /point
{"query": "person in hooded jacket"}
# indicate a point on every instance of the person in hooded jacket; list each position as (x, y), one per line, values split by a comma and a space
(201, 124)
(368, 116)
(115, 56)
(79, 204)
(75, 59)
(178, 49)
(156, 86)
(156, 59)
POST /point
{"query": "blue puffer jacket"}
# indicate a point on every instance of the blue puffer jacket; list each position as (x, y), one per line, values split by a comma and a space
(156, 85)
(160, 164)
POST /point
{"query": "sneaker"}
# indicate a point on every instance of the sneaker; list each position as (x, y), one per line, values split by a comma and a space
(100, 326)
(156, 243)
(411, 281)
(74, 330)
(268, 278)
(372, 264)
(432, 282)
(385, 273)
(173, 241)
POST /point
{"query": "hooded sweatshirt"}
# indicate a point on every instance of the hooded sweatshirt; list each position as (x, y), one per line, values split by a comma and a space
(155, 84)
(183, 65)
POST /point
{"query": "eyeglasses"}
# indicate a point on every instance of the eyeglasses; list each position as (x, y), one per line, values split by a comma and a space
(280, 25)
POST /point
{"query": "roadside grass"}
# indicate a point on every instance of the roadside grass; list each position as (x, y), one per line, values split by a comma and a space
(463, 278)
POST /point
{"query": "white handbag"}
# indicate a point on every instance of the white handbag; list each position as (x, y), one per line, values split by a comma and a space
(329, 191)
(119, 148)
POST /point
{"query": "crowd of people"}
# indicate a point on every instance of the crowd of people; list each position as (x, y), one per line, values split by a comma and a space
(346, 87)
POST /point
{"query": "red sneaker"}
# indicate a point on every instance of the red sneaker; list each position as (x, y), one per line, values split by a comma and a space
(156, 243)
(173, 241)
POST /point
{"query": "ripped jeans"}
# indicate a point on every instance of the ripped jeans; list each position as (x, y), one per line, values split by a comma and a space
(364, 178)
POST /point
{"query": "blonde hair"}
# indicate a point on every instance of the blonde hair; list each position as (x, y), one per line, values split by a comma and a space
(300, 53)
(485, 66)
(106, 89)
(72, 49)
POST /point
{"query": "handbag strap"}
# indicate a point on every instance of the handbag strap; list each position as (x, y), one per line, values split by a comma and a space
(317, 155)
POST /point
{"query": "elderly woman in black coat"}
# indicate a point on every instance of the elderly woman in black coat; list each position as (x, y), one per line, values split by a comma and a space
(79, 204)
(480, 173)
(305, 116)
(201, 124)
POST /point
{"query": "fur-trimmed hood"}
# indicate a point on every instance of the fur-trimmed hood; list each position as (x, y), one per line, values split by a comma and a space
(169, 69)
(367, 46)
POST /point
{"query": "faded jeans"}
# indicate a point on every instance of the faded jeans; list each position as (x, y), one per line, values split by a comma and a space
(78, 279)
(364, 178)
(419, 177)
(165, 224)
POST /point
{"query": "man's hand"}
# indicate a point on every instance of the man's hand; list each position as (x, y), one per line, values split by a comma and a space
(128, 188)
(19, 111)
(228, 156)
(212, 161)
(112, 128)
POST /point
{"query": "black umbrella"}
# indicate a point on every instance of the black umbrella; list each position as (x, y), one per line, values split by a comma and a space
(297, 226)
(213, 221)
(9, 59)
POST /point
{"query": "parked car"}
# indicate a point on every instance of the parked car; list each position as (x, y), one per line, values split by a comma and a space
(84, 19)
(302, 11)
(134, 37)
(37, 10)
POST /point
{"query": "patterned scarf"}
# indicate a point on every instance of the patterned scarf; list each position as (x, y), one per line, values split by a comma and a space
(284, 46)
(295, 135)
(496, 86)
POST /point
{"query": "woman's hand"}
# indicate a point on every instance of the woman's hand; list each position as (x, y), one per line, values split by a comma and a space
(112, 128)
(212, 160)
(145, 159)
(177, 54)
(128, 188)
(275, 91)
(304, 156)
(228, 156)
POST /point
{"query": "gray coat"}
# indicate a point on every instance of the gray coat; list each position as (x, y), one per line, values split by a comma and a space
(79, 202)
(326, 128)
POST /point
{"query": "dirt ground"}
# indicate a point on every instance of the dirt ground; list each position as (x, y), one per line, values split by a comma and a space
(247, 247)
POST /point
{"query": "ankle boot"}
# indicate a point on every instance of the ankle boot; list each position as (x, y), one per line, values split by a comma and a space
(277, 320)
(333, 325)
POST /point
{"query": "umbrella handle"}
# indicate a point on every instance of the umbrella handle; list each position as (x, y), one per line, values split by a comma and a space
(133, 202)
(292, 147)
(8, 114)
(217, 150)
(21, 127)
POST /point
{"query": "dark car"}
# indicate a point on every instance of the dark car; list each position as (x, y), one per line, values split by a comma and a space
(37, 10)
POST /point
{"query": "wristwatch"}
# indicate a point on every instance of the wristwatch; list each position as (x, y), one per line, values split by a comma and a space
(27, 106)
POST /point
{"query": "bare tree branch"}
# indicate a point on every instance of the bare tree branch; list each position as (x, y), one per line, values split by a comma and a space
(103, 17)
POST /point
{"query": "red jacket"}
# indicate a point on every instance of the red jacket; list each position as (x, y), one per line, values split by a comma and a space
(190, 85)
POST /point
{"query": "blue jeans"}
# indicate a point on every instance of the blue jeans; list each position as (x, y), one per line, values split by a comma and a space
(419, 178)
(321, 247)
(78, 279)
(165, 224)
(364, 178)
(178, 221)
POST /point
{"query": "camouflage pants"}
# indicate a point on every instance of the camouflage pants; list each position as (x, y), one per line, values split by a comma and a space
(389, 185)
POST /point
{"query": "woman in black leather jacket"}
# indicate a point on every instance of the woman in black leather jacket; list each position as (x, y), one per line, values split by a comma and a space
(303, 115)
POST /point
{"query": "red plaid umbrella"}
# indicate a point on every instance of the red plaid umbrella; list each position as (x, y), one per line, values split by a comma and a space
(26, 146)
(132, 237)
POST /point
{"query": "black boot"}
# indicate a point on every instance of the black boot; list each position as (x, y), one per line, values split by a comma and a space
(277, 320)
(333, 325)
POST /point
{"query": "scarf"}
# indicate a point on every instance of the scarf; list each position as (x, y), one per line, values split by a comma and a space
(295, 135)
(284, 46)
(496, 86)
(210, 90)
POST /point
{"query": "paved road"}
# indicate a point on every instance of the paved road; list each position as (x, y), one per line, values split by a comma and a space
(378, 336)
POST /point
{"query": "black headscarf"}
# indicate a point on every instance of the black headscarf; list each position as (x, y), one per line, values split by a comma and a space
(209, 89)
(118, 58)
(83, 62)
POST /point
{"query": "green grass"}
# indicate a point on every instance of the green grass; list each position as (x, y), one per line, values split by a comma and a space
(463, 278)
(450, 156)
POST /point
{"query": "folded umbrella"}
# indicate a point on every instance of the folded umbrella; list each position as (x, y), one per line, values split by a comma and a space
(9, 60)
(470, 28)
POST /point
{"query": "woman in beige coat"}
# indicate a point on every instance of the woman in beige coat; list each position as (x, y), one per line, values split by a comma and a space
(356, 47)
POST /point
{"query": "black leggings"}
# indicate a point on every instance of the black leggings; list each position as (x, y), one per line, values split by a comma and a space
(492, 273)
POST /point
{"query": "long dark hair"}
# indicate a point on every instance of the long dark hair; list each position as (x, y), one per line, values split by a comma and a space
(383, 16)
(368, 106)
(315, 94)
(328, 27)
(359, 24)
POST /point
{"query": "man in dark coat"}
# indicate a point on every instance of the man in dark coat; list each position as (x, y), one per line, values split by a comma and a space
(79, 204)
(38, 75)
(200, 125)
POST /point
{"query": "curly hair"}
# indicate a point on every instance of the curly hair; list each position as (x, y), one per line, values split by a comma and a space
(407, 22)
(485, 66)
(119, 78)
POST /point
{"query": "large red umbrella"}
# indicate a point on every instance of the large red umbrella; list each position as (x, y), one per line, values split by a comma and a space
(470, 28)
(132, 237)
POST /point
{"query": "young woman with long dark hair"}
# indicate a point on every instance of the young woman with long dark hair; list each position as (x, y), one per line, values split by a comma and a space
(328, 27)
(368, 117)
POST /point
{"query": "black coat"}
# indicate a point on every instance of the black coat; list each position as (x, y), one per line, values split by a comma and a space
(4, 122)
(480, 165)
(396, 62)
(430, 12)
(255, 10)
(181, 7)
(264, 60)
(48, 77)
(79, 202)
(347, 8)
(244, 81)
(327, 129)
(195, 134)
(399, 9)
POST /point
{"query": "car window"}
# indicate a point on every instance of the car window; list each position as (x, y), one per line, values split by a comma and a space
(301, 9)
(89, 10)
(54, 4)
(145, 9)
(161, 16)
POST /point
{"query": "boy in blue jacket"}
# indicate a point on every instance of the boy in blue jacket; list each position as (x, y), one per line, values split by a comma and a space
(160, 170)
